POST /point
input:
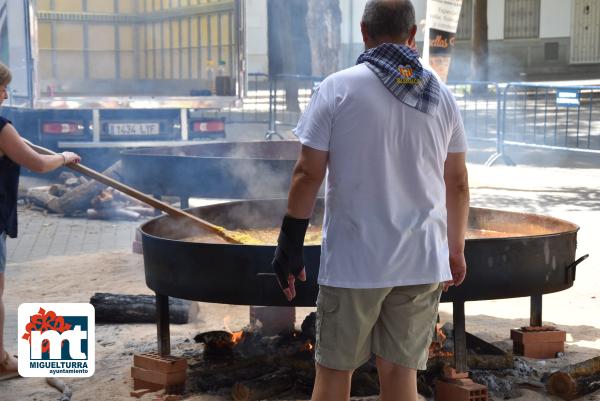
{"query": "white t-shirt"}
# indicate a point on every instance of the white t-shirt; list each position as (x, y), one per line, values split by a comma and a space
(385, 197)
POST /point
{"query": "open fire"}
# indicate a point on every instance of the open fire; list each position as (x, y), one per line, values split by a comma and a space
(250, 366)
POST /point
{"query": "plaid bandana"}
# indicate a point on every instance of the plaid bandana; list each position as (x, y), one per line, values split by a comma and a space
(399, 69)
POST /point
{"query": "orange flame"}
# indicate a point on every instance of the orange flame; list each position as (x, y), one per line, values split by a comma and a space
(237, 336)
(436, 348)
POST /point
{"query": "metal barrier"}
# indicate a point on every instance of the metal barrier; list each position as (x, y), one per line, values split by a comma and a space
(516, 114)
(255, 105)
(289, 95)
(549, 117)
(480, 106)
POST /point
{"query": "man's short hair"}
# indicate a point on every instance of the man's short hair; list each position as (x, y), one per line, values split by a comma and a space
(393, 18)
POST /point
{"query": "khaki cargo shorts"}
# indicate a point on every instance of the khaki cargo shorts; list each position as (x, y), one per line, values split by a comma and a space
(394, 323)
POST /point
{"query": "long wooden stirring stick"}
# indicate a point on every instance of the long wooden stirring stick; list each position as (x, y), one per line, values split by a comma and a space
(229, 236)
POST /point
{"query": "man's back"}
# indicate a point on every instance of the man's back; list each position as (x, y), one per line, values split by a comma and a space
(385, 219)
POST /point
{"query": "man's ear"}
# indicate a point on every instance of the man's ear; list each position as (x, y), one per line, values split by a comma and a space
(411, 36)
(363, 31)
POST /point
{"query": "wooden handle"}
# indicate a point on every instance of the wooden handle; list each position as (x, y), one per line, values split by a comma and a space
(165, 207)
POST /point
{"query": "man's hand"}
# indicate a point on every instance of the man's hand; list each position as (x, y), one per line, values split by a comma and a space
(288, 262)
(458, 267)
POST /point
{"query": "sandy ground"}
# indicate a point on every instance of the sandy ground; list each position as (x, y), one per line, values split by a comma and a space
(570, 194)
(122, 272)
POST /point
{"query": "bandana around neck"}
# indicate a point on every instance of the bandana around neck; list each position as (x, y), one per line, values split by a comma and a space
(399, 69)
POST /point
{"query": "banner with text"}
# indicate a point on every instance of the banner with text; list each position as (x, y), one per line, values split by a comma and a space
(440, 33)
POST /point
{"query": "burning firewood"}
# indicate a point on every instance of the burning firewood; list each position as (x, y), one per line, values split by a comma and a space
(263, 387)
(575, 380)
(219, 339)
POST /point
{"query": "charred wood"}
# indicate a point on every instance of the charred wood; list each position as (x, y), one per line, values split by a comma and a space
(263, 387)
(575, 380)
(104, 200)
(120, 308)
(57, 190)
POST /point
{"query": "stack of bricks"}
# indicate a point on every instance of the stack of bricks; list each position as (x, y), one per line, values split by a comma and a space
(540, 342)
(455, 386)
(154, 372)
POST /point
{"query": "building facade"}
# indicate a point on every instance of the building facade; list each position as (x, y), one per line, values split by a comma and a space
(528, 39)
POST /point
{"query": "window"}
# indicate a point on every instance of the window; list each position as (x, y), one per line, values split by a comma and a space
(521, 19)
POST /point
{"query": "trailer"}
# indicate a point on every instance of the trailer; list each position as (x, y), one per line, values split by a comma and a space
(102, 75)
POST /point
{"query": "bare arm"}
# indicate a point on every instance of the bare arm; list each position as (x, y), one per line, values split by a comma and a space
(457, 205)
(15, 147)
(306, 180)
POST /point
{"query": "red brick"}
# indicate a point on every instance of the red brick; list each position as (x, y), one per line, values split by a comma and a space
(538, 350)
(159, 363)
(451, 373)
(528, 337)
(446, 391)
(172, 389)
(164, 379)
(144, 385)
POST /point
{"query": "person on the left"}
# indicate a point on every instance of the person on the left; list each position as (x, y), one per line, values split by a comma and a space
(14, 153)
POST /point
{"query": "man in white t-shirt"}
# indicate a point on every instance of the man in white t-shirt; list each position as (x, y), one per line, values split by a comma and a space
(390, 139)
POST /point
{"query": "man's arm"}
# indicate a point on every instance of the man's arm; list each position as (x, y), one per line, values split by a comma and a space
(457, 205)
(306, 180)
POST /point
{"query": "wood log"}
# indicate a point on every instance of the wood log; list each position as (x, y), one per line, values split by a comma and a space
(121, 308)
(263, 387)
(72, 182)
(79, 198)
(112, 214)
(104, 200)
(57, 190)
(142, 210)
(65, 175)
(575, 380)
(40, 196)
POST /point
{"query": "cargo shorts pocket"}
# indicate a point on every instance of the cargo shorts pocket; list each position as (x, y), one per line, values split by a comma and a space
(326, 330)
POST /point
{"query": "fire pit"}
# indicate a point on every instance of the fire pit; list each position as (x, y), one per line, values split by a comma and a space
(537, 258)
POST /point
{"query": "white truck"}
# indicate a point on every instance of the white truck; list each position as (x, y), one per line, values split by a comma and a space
(109, 74)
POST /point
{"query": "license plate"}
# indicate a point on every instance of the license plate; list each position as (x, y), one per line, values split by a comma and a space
(134, 129)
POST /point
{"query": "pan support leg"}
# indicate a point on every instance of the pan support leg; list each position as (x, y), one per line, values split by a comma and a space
(184, 202)
(535, 319)
(460, 337)
(162, 324)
